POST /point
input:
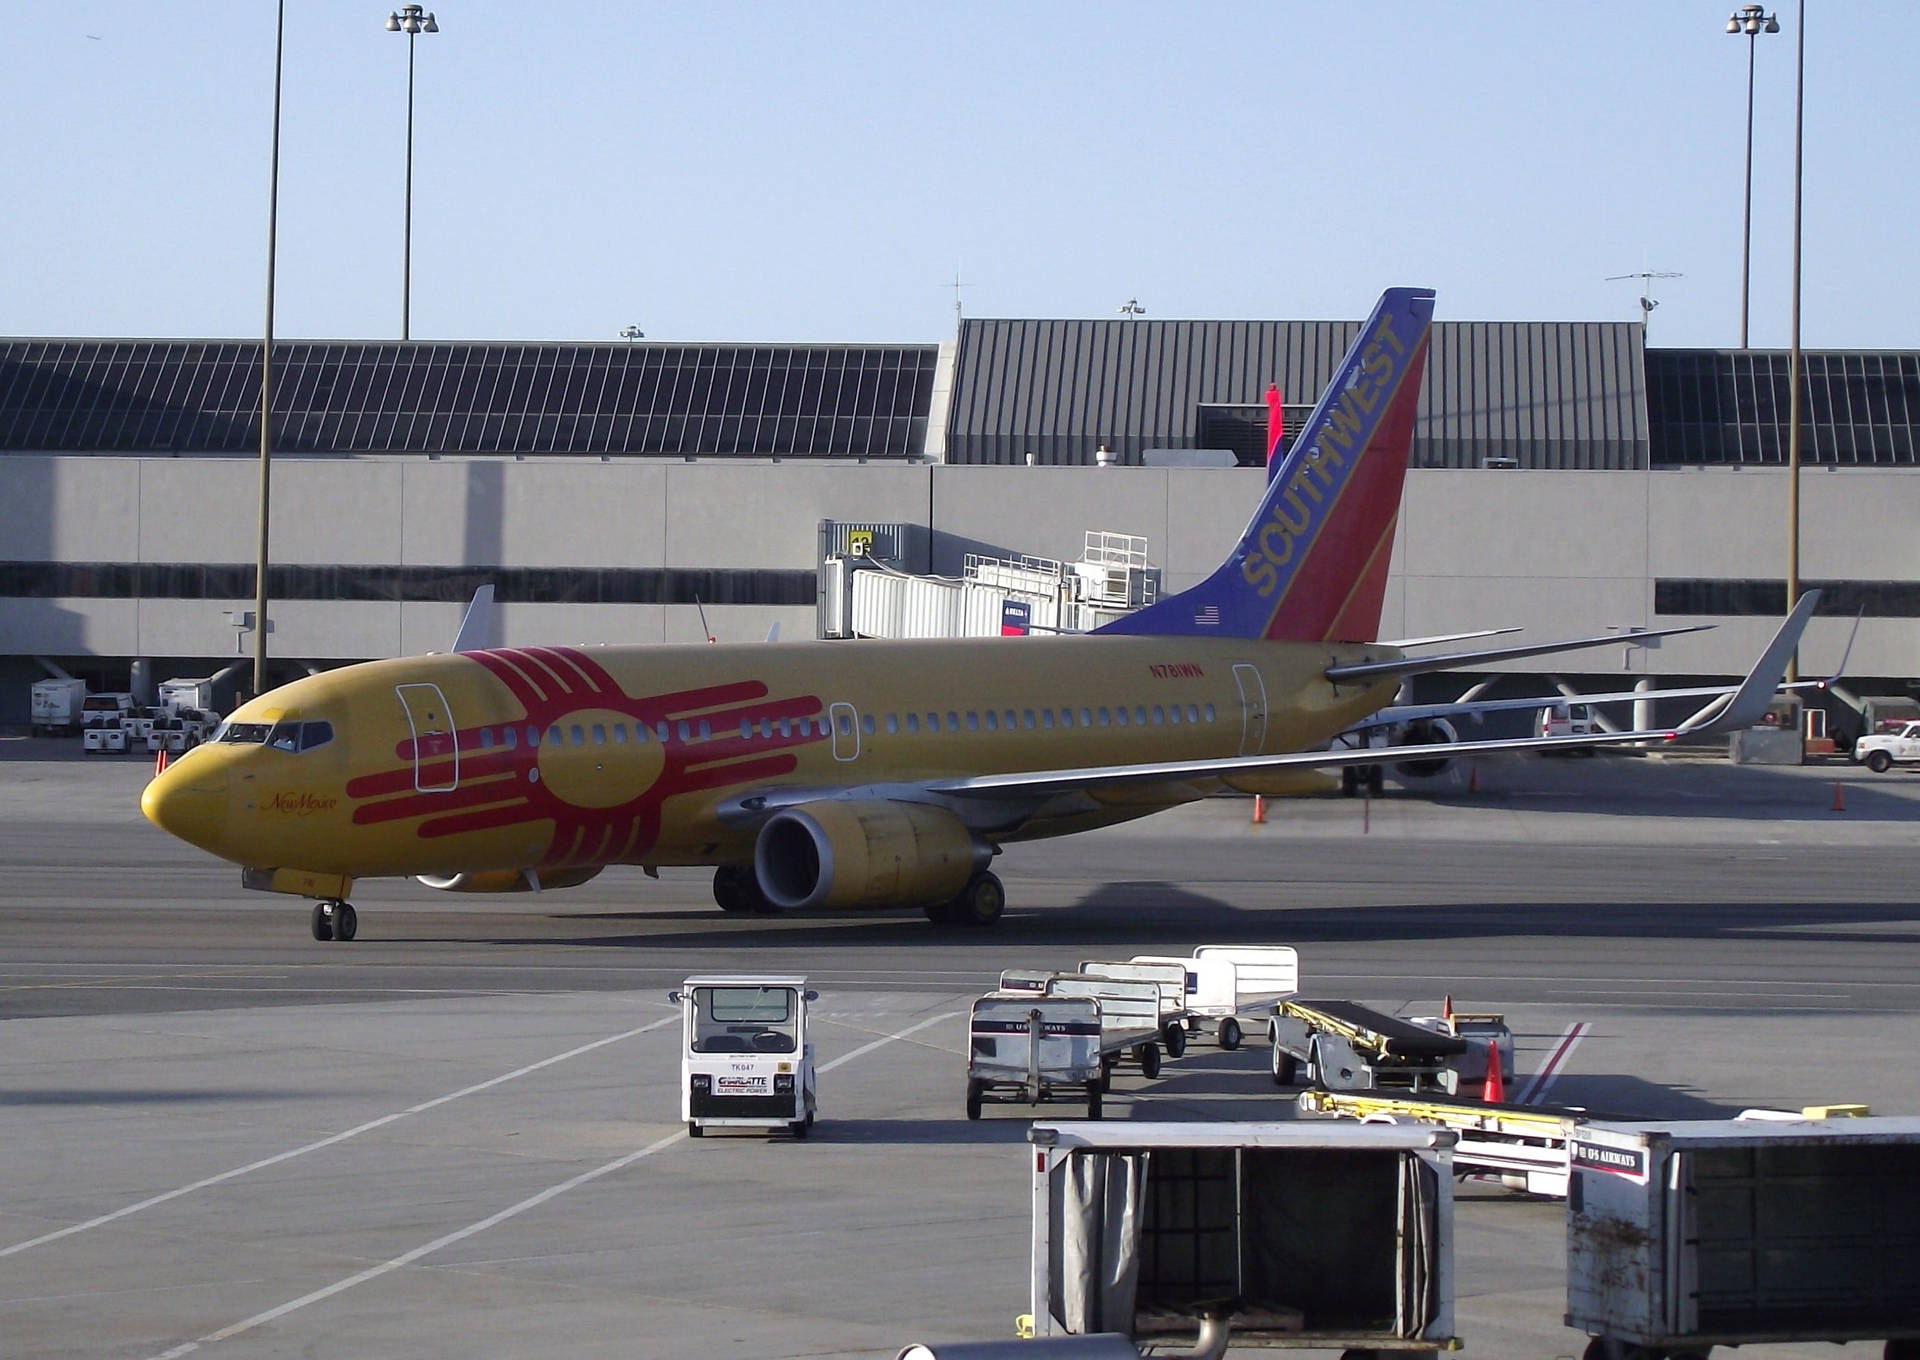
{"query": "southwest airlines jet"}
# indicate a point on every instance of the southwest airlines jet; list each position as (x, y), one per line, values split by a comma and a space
(858, 773)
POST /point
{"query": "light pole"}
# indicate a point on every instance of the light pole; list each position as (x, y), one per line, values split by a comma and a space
(1751, 20)
(410, 20)
(1793, 354)
(266, 373)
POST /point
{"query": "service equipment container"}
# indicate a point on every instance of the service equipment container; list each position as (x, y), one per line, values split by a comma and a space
(1692, 1234)
(1323, 1235)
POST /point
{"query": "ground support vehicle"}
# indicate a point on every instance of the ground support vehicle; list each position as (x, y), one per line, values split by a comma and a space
(1309, 1234)
(745, 1059)
(1170, 978)
(57, 705)
(1129, 1018)
(1691, 1234)
(1486, 1033)
(1881, 751)
(1034, 1050)
(103, 740)
(1344, 1046)
(1226, 982)
(1526, 1147)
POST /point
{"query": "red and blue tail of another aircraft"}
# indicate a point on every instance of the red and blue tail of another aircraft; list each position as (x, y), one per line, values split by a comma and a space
(1312, 564)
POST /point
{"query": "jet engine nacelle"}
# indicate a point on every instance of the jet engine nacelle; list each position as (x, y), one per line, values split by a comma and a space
(508, 880)
(1425, 732)
(834, 854)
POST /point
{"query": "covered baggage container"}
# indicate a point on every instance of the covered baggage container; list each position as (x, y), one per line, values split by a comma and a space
(1321, 1235)
(1686, 1235)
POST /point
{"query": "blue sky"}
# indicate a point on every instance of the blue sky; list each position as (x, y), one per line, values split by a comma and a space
(732, 171)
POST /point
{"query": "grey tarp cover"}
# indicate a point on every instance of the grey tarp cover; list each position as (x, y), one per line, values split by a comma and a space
(1098, 1198)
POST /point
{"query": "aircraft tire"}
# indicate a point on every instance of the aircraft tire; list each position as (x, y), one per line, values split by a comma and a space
(346, 921)
(981, 902)
(729, 892)
(1376, 780)
(1350, 780)
(322, 922)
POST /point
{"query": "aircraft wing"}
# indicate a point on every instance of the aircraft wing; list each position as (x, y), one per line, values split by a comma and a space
(1746, 704)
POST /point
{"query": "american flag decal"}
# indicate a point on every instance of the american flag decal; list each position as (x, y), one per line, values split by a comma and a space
(1208, 617)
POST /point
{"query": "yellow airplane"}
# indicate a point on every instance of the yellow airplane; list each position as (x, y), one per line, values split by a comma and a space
(853, 774)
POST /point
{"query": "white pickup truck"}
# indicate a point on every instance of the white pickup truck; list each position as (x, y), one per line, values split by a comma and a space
(1881, 751)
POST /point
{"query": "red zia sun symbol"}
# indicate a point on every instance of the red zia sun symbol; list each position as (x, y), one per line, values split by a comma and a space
(604, 812)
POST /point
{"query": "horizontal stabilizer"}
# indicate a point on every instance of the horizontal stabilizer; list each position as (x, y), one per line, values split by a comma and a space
(1452, 661)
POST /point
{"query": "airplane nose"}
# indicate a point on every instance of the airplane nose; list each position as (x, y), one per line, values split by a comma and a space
(189, 800)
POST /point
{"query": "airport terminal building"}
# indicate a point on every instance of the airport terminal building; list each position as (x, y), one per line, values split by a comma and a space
(1564, 478)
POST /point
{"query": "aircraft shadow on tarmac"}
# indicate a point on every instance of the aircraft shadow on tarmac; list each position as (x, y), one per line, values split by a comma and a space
(1629, 787)
(1148, 916)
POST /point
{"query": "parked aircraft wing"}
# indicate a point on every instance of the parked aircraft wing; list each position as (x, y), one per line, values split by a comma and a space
(1749, 702)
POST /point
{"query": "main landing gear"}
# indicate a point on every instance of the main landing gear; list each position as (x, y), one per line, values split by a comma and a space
(980, 903)
(737, 891)
(335, 920)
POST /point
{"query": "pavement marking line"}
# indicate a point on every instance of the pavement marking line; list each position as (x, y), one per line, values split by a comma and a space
(881, 1042)
(426, 1249)
(329, 1141)
(511, 1211)
(1538, 1083)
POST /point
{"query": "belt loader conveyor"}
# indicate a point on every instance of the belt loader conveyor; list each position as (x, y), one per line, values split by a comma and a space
(1526, 1146)
(1349, 1047)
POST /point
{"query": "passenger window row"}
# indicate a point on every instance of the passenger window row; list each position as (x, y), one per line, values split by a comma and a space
(1047, 719)
(532, 736)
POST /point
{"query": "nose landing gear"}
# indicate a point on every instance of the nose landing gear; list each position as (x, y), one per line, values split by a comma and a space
(335, 920)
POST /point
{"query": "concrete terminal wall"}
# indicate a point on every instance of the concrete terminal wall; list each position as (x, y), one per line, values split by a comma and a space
(1560, 553)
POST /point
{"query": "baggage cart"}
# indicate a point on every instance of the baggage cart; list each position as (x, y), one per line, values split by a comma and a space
(1034, 1050)
(1129, 1018)
(102, 740)
(746, 1061)
(1344, 1046)
(1227, 981)
(1691, 1234)
(1170, 977)
(1304, 1234)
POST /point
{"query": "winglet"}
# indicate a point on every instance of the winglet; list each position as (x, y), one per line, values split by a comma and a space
(476, 628)
(1750, 702)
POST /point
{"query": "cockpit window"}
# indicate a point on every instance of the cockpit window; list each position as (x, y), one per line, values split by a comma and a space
(285, 736)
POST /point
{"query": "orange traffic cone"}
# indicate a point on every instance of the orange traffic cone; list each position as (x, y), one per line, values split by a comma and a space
(1446, 1006)
(1495, 1092)
(1259, 809)
(1839, 797)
